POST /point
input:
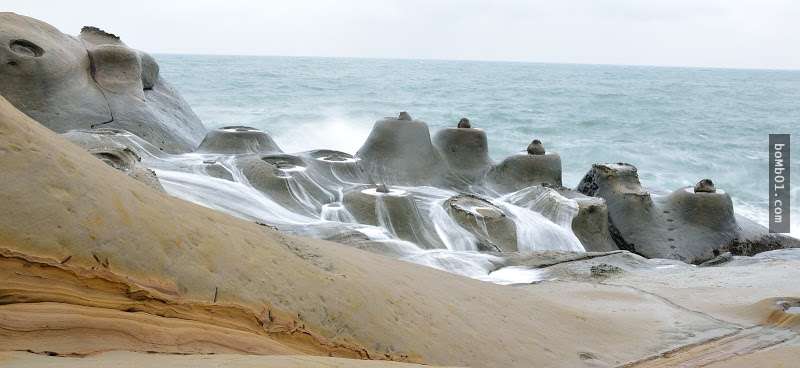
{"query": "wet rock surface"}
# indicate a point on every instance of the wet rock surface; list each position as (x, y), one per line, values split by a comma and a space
(238, 140)
(688, 225)
(487, 222)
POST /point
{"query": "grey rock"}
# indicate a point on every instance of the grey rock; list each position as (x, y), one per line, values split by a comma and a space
(524, 170)
(536, 147)
(718, 260)
(685, 225)
(395, 209)
(94, 80)
(494, 230)
(604, 270)
(105, 145)
(705, 186)
(399, 151)
(466, 153)
(238, 140)
(279, 176)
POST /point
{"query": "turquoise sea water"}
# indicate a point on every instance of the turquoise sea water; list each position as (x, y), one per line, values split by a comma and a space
(677, 125)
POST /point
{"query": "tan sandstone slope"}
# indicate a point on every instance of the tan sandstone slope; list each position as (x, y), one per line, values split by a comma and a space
(92, 261)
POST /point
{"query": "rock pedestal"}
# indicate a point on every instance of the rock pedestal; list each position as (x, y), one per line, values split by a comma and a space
(524, 170)
(238, 140)
(466, 152)
(399, 151)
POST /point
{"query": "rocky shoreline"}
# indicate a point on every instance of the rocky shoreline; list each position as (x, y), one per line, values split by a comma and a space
(101, 263)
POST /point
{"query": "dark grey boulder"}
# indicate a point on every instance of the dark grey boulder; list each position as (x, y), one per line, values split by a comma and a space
(399, 151)
(94, 80)
(238, 140)
(536, 148)
(705, 186)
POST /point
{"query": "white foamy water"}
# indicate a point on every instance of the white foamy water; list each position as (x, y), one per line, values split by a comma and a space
(439, 241)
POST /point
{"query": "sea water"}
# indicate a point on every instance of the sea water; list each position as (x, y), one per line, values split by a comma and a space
(677, 125)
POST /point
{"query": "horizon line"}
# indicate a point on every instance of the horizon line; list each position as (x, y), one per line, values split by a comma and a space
(777, 69)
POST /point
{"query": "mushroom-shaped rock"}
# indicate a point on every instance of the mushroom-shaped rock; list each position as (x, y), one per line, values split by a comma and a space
(393, 209)
(684, 225)
(464, 123)
(238, 140)
(68, 83)
(536, 147)
(488, 223)
(399, 151)
(705, 186)
(335, 167)
(523, 170)
(466, 153)
(285, 180)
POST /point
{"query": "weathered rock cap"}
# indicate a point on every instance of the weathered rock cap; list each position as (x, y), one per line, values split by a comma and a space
(536, 148)
(464, 123)
(382, 188)
(238, 139)
(705, 186)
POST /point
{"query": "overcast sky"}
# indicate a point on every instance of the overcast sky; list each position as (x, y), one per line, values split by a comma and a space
(718, 33)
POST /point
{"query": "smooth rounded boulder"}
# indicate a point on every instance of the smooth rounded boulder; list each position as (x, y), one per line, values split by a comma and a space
(91, 81)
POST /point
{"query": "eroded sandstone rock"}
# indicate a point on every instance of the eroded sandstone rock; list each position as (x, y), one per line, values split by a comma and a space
(90, 81)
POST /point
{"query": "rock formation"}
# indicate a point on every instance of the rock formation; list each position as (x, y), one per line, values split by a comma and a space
(238, 140)
(93, 80)
(399, 151)
(689, 225)
(99, 264)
